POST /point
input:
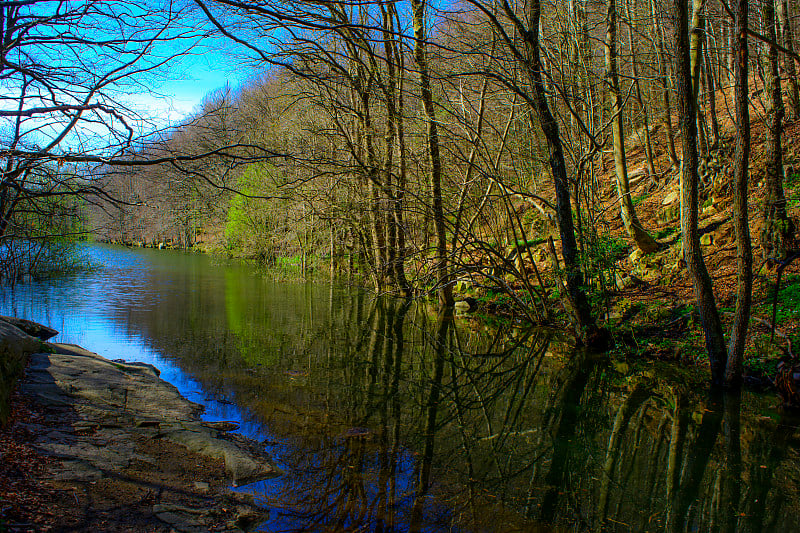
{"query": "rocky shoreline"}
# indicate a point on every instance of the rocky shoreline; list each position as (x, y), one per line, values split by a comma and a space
(122, 449)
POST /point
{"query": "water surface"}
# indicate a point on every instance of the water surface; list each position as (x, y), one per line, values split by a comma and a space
(387, 417)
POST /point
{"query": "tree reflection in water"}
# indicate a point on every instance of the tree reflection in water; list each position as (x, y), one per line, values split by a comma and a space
(420, 423)
(388, 417)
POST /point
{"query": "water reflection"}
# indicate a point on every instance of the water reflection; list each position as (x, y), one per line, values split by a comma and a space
(390, 417)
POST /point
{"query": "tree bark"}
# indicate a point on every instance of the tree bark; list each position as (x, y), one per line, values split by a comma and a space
(744, 252)
(665, 97)
(627, 210)
(787, 39)
(445, 289)
(696, 47)
(569, 247)
(711, 94)
(648, 144)
(703, 290)
(395, 135)
(776, 222)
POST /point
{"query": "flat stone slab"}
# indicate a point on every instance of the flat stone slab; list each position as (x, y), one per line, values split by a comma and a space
(115, 402)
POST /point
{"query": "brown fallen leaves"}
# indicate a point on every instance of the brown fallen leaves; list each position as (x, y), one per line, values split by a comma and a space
(27, 503)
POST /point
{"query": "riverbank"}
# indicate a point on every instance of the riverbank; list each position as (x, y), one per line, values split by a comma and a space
(99, 445)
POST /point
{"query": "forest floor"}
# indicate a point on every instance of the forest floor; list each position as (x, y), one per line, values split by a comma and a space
(650, 312)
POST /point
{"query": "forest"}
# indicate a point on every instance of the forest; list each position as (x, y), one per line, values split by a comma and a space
(622, 169)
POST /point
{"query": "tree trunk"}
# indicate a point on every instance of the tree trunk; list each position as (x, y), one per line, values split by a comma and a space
(648, 144)
(711, 94)
(787, 39)
(569, 247)
(703, 290)
(445, 290)
(394, 134)
(744, 252)
(632, 225)
(665, 97)
(696, 47)
(378, 235)
(777, 225)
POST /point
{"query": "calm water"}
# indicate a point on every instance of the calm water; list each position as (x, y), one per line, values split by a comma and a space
(387, 418)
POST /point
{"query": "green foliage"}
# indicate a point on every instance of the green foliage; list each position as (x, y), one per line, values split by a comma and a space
(238, 221)
(608, 251)
(252, 223)
(600, 266)
(663, 233)
(788, 299)
(792, 180)
(791, 186)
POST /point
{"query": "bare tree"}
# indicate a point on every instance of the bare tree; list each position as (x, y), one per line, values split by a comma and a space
(687, 117)
(744, 251)
(633, 226)
(777, 225)
(70, 71)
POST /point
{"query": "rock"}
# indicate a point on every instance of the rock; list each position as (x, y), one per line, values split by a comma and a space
(15, 348)
(462, 285)
(122, 398)
(202, 486)
(33, 329)
(635, 176)
(707, 239)
(221, 426)
(624, 282)
(15, 344)
(635, 255)
(183, 519)
(632, 280)
(246, 518)
(670, 198)
(467, 305)
(650, 273)
(670, 214)
(243, 465)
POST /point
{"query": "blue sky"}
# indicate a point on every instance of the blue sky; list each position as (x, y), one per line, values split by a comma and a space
(190, 78)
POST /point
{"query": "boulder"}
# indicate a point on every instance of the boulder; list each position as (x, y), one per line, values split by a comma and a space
(467, 305)
(635, 255)
(670, 198)
(15, 347)
(31, 328)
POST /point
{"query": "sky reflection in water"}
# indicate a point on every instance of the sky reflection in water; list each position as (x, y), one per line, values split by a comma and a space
(388, 419)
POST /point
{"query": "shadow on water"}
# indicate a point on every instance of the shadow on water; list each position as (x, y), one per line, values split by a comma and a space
(388, 416)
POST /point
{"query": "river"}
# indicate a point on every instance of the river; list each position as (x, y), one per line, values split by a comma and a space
(387, 418)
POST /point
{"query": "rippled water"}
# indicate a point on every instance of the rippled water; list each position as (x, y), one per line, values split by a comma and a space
(387, 417)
